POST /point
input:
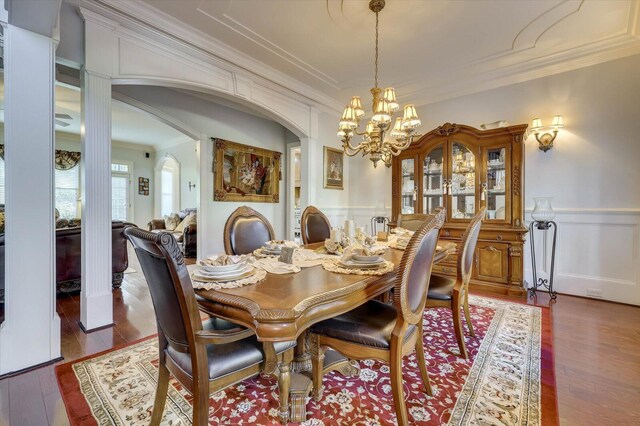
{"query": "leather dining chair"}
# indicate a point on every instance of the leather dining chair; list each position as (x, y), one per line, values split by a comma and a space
(411, 222)
(204, 357)
(381, 331)
(245, 231)
(454, 293)
(314, 226)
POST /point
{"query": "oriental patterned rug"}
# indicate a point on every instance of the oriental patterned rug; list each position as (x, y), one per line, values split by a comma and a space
(508, 380)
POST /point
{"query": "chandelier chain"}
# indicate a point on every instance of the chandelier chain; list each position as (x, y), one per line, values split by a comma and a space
(376, 67)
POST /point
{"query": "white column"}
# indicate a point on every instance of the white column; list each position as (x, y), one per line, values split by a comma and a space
(30, 334)
(205, 196)
(96, 304)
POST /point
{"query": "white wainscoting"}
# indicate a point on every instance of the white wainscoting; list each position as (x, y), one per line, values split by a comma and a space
(361, 215)
(597, 254)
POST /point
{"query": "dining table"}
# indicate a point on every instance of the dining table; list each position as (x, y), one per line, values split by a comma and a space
(282, 307)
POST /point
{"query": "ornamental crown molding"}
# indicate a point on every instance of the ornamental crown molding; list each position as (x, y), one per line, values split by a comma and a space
(139, 19)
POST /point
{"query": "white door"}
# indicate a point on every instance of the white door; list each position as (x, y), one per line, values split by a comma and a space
(120, 197)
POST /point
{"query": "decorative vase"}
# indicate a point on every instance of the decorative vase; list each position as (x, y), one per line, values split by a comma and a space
(542, 211)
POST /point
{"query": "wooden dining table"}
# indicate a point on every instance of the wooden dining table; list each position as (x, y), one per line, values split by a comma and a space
(282, 307)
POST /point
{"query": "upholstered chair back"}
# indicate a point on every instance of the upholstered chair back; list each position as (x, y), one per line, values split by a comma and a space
(467, 246)
(411, 287)
(314, 226)
(169, 285)
(245, 231)
(411, 222)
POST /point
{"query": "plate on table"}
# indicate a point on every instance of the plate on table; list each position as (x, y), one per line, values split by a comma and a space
(222, 268)
(359, 265)
(359, 258)
(200, 275)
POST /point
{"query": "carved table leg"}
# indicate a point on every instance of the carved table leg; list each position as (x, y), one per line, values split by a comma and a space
(302, 360)
(284, 383)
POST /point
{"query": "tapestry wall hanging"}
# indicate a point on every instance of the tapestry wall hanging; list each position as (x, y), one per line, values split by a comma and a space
(245, 173)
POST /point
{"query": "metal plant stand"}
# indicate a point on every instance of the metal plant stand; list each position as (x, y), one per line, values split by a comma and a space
(541, 282)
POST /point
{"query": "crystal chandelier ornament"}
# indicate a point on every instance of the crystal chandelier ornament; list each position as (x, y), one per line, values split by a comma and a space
(375, 141)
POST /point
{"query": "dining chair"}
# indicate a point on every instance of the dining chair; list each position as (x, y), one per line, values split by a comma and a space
(204, 357)
(314, 226)
(245, 231)
(382, 331)
(412, 221)
(454, 293)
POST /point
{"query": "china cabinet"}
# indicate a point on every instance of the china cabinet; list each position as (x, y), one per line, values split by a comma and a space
(462, 168)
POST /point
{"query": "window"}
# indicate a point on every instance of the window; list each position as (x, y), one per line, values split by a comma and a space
(168, 174)
(120, 191)
(67, 184)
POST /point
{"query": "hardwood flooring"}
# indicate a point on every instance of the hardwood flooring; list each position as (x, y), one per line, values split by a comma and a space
(596, 345)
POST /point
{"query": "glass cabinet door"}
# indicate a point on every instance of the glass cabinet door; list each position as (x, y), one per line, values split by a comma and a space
(463, 182)
(496, 183)
(408, 189)
(433, 180)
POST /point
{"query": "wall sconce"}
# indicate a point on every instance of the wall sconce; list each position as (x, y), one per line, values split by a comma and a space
(191, 185)
(545, 141)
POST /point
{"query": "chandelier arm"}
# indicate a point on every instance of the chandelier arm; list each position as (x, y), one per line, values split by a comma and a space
(349, 149)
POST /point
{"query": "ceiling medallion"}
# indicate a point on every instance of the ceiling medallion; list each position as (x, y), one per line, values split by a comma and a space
(374, 141)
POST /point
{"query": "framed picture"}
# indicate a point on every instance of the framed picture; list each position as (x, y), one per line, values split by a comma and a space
(245, 173)
(333, 168)
(143, 186)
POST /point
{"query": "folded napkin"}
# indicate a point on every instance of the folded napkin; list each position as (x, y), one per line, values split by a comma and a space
(402, 232)
(221, 260)
(278, 244)
(274, 266)
(306, 258)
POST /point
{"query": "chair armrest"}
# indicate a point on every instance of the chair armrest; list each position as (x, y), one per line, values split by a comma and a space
(156, 224)
(222, 336)
(191, 229)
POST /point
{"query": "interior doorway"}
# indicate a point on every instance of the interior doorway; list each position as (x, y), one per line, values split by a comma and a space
(294, 186)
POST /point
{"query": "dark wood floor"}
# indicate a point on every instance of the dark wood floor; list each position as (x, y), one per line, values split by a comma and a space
(597, 348)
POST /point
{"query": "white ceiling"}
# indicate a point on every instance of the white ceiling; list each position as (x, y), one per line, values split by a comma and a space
(128, 124)
(429, 50)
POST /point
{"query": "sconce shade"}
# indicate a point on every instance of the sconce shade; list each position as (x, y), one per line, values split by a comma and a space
(536, 124)
(557, 122)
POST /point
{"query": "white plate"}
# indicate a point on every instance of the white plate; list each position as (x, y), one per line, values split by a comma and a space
(222, 275)
(358, 258)
(357, 265)
(223, 268)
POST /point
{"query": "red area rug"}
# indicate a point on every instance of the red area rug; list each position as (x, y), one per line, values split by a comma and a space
(509, 379)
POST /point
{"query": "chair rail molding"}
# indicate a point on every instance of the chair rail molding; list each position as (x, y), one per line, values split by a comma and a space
(597, 253)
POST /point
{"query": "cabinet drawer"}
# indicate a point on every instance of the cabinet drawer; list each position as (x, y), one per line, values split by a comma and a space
(444, 270)
(491, 262)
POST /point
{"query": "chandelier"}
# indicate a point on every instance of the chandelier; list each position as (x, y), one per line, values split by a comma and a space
(375, 142)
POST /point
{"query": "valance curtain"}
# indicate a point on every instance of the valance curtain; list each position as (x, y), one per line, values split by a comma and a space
(64, 160)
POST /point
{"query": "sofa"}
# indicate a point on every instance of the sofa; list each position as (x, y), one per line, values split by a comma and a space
(187, 238)
(68, 258)
(68, 251)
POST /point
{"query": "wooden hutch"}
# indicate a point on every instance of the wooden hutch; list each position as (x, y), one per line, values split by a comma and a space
(461, 168)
